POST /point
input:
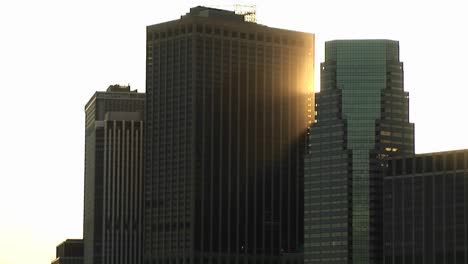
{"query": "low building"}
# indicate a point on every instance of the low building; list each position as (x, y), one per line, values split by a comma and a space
(426, 208)
(69, 251)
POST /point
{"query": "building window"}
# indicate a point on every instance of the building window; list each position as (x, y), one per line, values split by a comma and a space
(419, 165)
(449, 160)
(260, 37)
(429, 163)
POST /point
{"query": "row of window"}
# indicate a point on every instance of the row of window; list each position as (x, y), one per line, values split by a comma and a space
(428, 164)
(209, 30)
(218, 260)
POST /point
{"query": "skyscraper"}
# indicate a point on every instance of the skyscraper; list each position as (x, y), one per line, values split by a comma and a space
(426, 208)
(362, 119)
(113, 199)
(227, 115)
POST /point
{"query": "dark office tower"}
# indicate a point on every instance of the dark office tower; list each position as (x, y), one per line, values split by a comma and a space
(113, 199)
(362, 119)
(426, 209)
(69, 251)
(226, 136)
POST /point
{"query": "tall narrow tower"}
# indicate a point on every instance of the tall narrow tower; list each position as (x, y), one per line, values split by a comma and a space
(112, 226)
(362, 119)
(227, 117)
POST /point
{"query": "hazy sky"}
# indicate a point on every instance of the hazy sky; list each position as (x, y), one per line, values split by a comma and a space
(54, 54)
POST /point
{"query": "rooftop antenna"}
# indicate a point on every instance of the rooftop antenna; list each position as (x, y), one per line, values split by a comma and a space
(248, 11)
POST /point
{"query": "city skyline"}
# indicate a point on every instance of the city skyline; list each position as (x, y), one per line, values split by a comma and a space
(71, 60)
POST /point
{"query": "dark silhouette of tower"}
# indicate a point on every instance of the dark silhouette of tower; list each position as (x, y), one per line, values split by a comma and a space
(362, 120)
(113, 199)
(227, 114)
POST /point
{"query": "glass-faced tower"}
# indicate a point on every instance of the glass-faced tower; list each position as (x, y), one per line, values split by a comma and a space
(362, 119)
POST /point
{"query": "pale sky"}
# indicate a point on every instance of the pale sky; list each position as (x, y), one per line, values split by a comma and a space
(54, 54)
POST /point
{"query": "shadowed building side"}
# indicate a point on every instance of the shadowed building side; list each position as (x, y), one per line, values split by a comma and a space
(426, 208)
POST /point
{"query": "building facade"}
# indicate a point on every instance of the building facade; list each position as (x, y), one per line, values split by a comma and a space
(69, 251)
(227, 115)
(426, 208)
(113, 188)
(362, 120)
